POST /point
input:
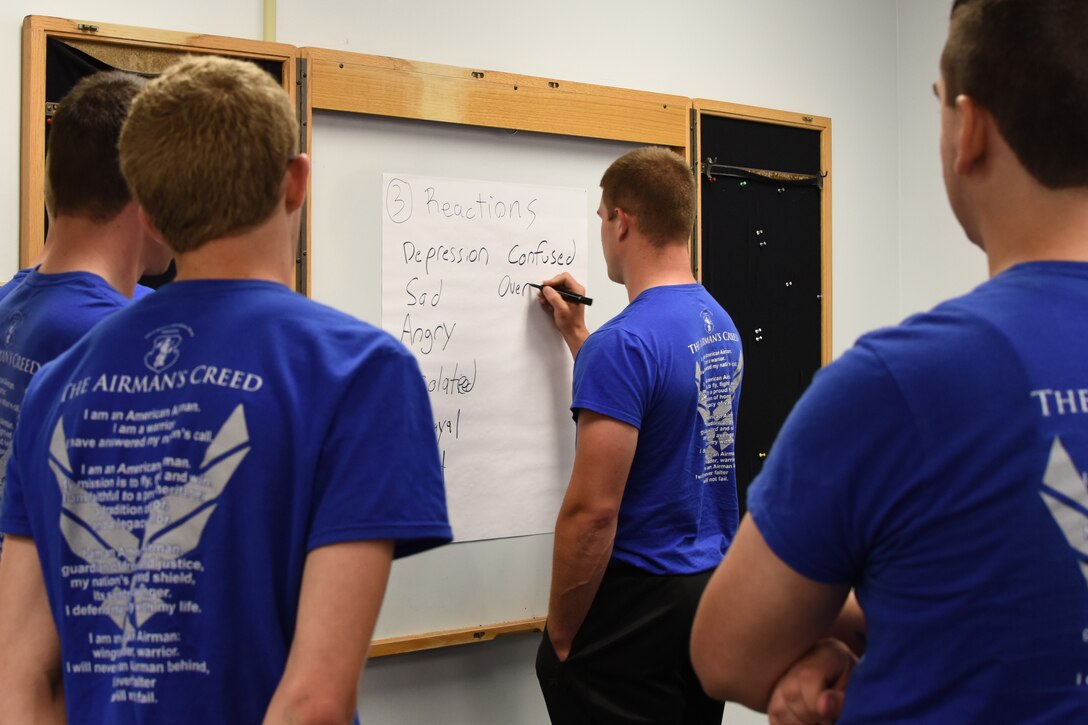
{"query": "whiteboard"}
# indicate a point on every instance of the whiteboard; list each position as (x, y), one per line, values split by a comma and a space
(458, 258)
(480, 582)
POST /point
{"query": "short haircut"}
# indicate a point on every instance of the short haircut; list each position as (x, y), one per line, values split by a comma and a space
(206, 147)
(82, 173)
(1026, 62)
(654, 185)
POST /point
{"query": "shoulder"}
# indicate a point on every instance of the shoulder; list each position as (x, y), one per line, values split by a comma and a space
(341, 330)
(614, 337)
(330, 342)
(282, 316)
(930, 359)
(944, 342)
(47, 321)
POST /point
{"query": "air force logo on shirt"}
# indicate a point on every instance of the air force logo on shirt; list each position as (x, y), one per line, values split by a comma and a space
(13, 322)
(708, 321)
(165, 344)
(1066, 495)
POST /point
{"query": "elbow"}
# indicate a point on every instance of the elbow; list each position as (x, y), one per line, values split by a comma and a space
(704, 650)
(723, 674)
(721, 684)
(594, 516)
(714, 678)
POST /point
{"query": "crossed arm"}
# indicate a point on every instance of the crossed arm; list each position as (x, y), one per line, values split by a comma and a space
(758, 618)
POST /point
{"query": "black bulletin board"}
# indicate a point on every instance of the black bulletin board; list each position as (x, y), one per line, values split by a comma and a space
(762, 192)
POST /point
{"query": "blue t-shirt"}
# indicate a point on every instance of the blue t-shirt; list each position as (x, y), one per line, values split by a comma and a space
(193, 449)
(940, 468)
(41, 316)
(670, 365)
(17, 278)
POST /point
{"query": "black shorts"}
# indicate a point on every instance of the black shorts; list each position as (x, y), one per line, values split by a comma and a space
(629, 662)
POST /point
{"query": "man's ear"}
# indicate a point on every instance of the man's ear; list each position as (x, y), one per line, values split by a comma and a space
(147, 224)
(972, 138)
(296, 178)
(623, 224)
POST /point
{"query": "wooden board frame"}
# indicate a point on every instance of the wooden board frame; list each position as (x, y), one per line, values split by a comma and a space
(452, 637)
(817, 124)
(152, 50)
(377, 85)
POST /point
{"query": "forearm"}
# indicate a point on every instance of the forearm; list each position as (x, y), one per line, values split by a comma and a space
(583, 547)
(756, 618)
(849, 626)
(812, 690)
(814, 687)
(586, 527)
(574, 337)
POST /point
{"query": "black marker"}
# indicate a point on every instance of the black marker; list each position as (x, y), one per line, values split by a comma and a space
(568, 296)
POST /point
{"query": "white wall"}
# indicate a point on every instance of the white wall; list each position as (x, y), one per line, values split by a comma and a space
(935, 259)
(867, 64)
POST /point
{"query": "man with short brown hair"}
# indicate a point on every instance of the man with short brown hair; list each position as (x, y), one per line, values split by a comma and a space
(652, 501)
(97, 248)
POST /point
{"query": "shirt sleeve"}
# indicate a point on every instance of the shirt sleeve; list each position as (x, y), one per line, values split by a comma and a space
(839, 471)
(379, 475)
(613, 376)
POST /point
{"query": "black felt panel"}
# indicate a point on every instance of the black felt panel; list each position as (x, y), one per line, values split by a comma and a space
(761, 260)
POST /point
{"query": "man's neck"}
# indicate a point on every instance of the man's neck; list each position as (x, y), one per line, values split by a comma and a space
(1033, 227)
(657, 267)
(109, 249)
(258, 254)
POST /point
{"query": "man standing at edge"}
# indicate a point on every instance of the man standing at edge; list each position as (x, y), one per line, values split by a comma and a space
(270, 455)
(97, 246)
(938, 467)
(652, 503)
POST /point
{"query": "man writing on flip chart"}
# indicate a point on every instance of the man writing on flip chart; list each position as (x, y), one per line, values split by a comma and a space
(652, 503)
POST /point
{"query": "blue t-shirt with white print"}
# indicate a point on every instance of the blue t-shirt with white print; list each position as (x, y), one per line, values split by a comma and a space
(186, 456)
(670, 365)
(939, 467)
(41, 316)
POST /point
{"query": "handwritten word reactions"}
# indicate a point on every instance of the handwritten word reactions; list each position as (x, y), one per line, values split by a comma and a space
(428, 262)
(478, 206)
(457, 257)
